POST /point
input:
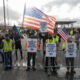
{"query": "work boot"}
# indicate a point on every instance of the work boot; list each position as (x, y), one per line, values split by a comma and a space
(54, 71)
(6, 68)
(45, 69)
(28, 69)
(10, 67)
(33, 68)
(73, 71)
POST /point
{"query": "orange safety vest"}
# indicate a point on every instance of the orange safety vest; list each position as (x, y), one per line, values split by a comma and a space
(37, 45)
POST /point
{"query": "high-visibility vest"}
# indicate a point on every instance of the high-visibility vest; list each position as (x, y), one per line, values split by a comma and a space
(0, 31)
(7, 46)
(37, 45)
(64, 45)
(20, 30)
(7, 30)
(54, 39)
(71, 32)
(57, 39)
(50, 40)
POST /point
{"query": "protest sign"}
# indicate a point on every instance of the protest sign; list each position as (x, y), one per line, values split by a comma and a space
(71, 50)
(43, 27)
(32, 45)
(50, 50)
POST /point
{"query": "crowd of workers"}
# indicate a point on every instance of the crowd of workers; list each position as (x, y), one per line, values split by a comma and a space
(10, 40)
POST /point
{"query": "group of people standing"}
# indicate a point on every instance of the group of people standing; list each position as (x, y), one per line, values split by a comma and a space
(13, 40)
(8, 42)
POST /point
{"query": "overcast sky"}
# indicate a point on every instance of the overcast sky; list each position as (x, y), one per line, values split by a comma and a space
(60, 9)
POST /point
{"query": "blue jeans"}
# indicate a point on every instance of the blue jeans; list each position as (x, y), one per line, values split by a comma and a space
(8, 59)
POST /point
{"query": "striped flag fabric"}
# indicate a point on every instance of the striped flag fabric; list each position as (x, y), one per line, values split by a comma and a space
(34, 16)
(63, 33)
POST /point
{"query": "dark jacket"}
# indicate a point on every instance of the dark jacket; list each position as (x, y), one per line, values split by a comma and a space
(17, 40)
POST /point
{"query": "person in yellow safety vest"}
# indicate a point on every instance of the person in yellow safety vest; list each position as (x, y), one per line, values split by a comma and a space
(50, 40)
(69, 60)
(0, 31)
(64, 45)
(7, 49)
(71, 32)
(57, 41)
(54, 39)
(20, 30)
(7, 30)
(57, 38)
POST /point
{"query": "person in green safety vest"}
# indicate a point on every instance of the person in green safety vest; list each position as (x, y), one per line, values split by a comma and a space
(0, 31)
(71, 32)
(69, 60)
(57, 40)
(7, 49)
(20, 30)
(52, 59)
(7, 30)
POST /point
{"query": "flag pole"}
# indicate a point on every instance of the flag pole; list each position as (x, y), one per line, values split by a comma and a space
(24, 12)
(4, 13)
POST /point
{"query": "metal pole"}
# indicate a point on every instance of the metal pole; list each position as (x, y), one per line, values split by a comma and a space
(7, 13)
(24, 12)
(4, 13)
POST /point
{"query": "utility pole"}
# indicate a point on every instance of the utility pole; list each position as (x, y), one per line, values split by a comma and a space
(4, 14)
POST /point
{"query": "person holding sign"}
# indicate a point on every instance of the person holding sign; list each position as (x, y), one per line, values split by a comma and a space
(31, 46)
(50, 53)
(43, 35)
(70, 54)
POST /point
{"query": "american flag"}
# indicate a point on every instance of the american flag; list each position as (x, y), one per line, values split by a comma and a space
(63, 34)
(34, 16)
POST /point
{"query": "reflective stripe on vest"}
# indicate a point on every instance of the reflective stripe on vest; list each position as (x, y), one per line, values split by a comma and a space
(7, 46)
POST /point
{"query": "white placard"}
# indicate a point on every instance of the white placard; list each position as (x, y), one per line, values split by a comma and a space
(71, 50)
(50, 50)
(43, 26)
(32, 45)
